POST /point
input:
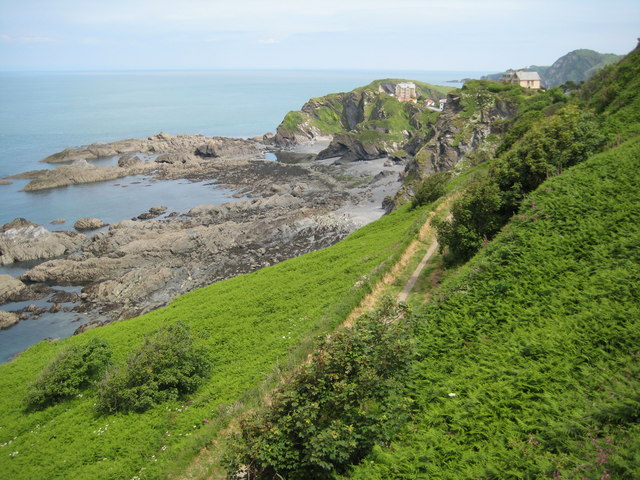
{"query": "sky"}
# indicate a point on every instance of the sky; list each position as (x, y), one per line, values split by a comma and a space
(463, 35)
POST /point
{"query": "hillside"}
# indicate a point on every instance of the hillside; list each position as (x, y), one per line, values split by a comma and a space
(576, 66)
(528, 363)
(251, 328)
(613, 93)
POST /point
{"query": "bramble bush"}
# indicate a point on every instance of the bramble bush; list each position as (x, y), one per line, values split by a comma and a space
(551, 146)
(475, 217)
(163, 368)
(335, 408)
(74, 369)
(431, 189)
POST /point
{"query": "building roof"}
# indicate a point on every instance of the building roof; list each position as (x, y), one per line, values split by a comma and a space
(522, 75)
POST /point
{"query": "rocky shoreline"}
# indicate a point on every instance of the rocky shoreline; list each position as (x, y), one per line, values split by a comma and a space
(134, 266)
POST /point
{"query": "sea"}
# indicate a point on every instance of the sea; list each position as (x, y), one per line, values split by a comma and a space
(42, 113)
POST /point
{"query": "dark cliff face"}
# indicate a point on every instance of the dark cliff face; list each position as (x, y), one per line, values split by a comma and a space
(468, 129)
(469, 123)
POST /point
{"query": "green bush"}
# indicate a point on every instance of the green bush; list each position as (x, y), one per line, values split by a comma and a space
(74, 369)
(475, 218)
(431, 189)
(163, 368)
(337, 406)
(552, 145)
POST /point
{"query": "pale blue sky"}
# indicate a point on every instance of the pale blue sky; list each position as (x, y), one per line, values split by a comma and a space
(300, 34)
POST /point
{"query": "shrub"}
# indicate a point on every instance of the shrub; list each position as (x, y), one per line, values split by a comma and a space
(551, 145)
(475, 218)
(163, 368)
(431, 189)
(335, 408)
(74, 369)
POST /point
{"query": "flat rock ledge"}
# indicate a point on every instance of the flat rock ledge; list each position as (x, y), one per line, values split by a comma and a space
(170, 157)
(161, 143)
(89, 223)
(10, 288)
(8, 319)
(22, 240)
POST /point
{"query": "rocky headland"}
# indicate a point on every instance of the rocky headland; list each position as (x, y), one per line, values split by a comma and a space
(345, 159)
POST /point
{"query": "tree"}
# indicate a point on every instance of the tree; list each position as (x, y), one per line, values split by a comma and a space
(475, 217)
(431, 189)
(547, 149)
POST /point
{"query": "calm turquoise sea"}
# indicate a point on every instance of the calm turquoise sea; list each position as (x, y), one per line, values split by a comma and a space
(43, 113)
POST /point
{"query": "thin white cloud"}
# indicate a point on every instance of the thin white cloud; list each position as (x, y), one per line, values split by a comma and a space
(288, 18)
(6, 38)
(36, 39)
(268, 41)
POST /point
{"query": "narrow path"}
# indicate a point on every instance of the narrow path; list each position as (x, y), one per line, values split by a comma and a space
(416, 273)
(209, 454)
(426, 234)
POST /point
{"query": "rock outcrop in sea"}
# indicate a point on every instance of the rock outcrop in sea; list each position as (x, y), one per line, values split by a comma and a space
(22, 240)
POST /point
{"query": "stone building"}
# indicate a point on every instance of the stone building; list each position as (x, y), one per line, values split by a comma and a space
(406, 91)
(523, 78)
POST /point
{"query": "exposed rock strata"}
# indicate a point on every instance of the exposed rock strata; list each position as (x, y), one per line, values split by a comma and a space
(10, 288)
(89, 223)
(177, 157)
(22, 240)
(454, 138)
(161, 143)
(469, 133)
(135, 266)
(8, 319)
(82, 171)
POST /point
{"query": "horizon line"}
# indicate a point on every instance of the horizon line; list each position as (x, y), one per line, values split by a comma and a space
(239, 69)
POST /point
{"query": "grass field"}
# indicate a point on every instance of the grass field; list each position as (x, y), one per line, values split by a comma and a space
(252, 325)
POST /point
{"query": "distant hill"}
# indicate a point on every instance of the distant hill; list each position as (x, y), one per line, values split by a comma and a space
(576, 66)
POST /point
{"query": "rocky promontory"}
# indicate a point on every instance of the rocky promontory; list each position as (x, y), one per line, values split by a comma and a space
(283, 210)
(169, 157)
(366, 123)
(160, 143)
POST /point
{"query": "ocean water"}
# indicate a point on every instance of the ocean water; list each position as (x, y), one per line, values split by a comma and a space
(42, 113)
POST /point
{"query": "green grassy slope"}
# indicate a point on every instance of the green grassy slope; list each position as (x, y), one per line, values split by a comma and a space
(248, 324)
(613, 92)
(529, 362)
